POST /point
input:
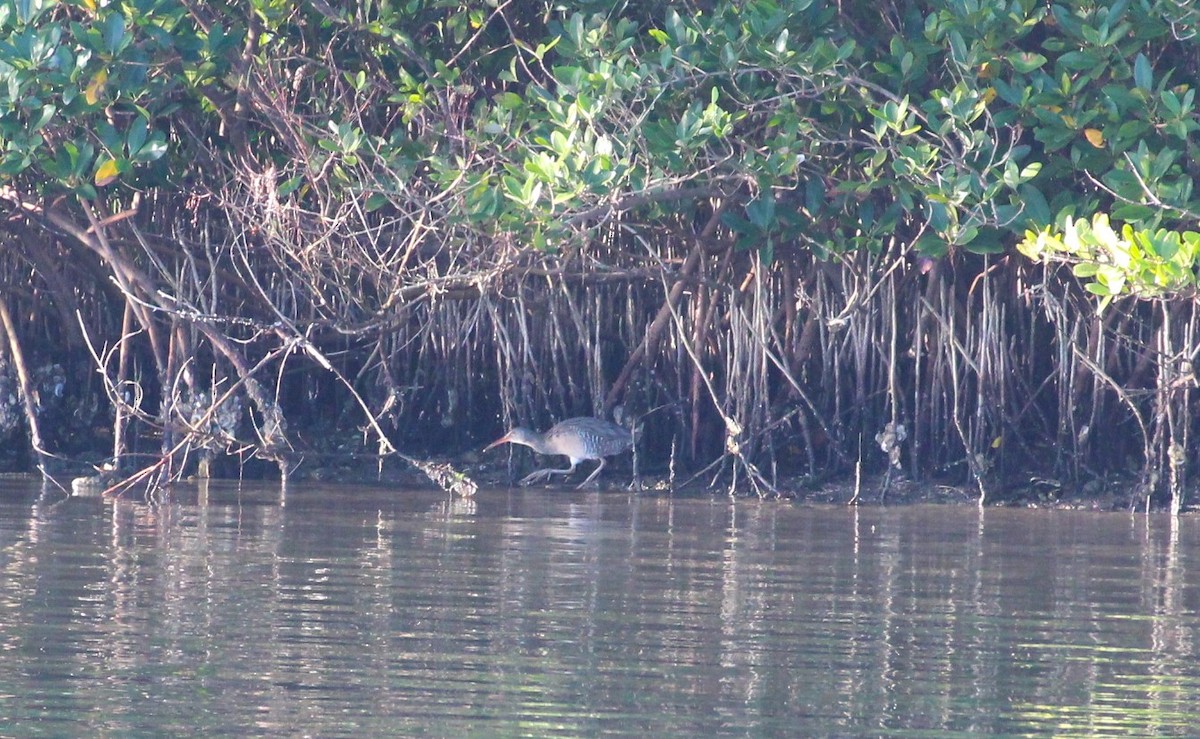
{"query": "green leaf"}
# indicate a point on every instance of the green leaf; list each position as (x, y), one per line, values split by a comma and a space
(1087, 59)
(1134, 213)
(1026, 61)
(288, 186)
(761, 211)
(1171, 102)
(509, 101)
(1012, 94)
(729, 57)
(939, 216)
(766, 252)
(986, 241)
(1142, 75)
(152, 149)
(781, 42)
(734, 222)
(674, 27)
(1125, 184)
(959, 47)
(114, 32)
(28, 10)
(216, 37)
(512, 187)
(932, 246)
(43, 118)
(135, 138)
(1164, 243)
(109, 136)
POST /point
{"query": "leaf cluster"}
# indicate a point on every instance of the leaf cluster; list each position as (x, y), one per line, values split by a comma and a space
(1145, 263)
(834, 127)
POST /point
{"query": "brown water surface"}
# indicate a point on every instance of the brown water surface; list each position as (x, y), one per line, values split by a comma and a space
(354, 611)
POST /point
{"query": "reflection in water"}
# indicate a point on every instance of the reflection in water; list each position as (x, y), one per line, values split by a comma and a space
(369, 611)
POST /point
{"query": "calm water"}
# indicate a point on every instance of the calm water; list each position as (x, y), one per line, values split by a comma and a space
(364, 611)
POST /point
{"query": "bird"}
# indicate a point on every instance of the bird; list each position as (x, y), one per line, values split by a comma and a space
(579, 438)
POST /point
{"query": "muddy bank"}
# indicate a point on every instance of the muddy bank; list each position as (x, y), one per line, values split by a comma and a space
(1111, 494)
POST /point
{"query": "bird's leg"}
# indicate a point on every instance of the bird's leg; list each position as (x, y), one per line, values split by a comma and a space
(593, 475)
(545, 474)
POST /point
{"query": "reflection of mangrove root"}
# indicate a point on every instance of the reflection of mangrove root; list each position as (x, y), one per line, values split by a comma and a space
(446, 477)
(93, 485)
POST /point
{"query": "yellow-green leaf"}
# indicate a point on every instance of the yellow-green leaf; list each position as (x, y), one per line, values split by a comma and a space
(96, 87)
(107, 172)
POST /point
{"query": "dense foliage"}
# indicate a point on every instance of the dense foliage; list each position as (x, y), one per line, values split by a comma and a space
(958, 123)
(213, 188)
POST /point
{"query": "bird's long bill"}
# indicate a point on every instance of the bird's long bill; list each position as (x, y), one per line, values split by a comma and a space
(502, 440)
